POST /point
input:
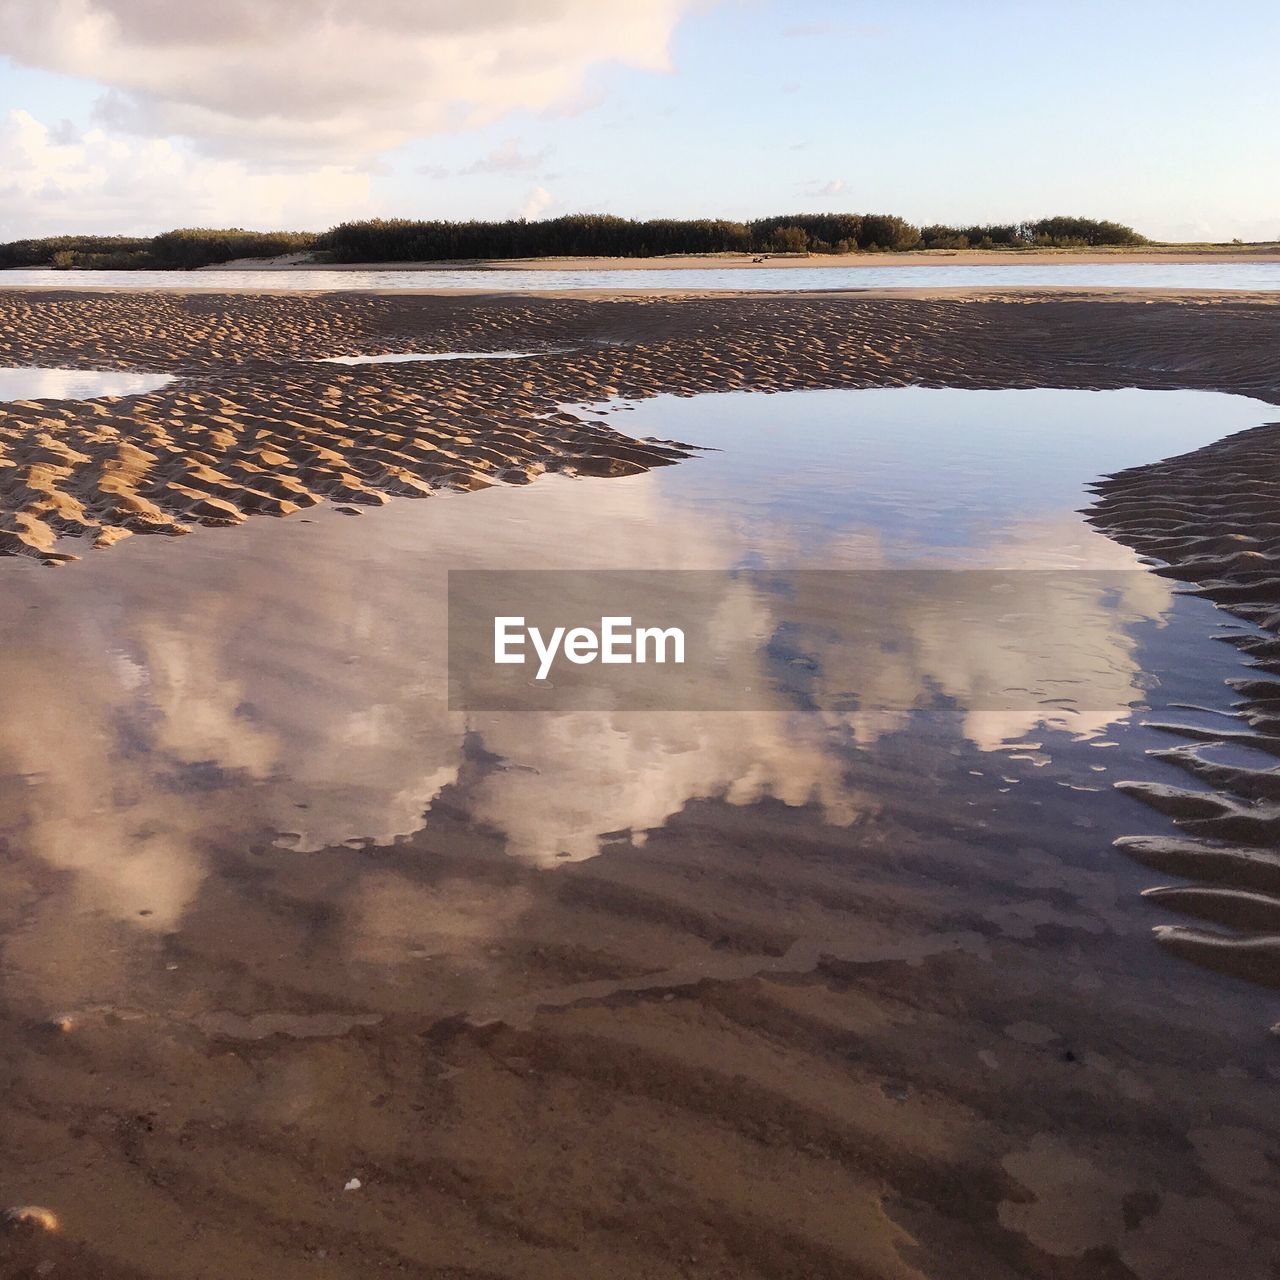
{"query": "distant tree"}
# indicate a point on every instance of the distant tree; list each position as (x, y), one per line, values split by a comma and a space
(789, 240)
(940, 237)
(1050, 233)
(404, 239)
(1087, 231)
(886, 231)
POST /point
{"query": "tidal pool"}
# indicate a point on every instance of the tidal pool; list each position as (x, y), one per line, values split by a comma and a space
(409, 356)
(34, 383)
(249, 845)
(287, 678)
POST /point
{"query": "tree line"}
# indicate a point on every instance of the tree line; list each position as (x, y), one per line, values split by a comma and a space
(575, 235)
(602, 235)
(1045, 233)
(183, 249)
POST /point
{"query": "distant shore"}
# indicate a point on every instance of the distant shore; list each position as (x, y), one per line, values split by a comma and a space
(703, 261)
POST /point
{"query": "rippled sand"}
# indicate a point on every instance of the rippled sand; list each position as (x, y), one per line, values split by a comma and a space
(748, 1053)
(1211, 520)
(255, 427)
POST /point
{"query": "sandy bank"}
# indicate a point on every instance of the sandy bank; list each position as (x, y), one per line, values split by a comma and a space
(1211, 520)
(703, 262)
(259, 426)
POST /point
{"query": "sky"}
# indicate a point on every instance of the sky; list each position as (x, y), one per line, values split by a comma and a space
(136, 116)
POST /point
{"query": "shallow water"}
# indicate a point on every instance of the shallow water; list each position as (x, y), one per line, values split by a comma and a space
(410, 356)
(1126, 275)
(239, 815)
(34, 383)
(287, 677)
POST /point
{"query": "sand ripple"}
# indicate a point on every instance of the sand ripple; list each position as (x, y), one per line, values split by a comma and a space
(255, 427)
(1212, 520)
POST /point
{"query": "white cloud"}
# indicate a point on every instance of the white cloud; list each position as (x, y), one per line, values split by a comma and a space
(313, 81)
(826, 189)
(540, 199)
(104, 183)
(507, 158)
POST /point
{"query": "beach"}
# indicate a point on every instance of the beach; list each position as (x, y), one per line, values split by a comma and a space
(639, 994)
(774, 261)
(639, 641)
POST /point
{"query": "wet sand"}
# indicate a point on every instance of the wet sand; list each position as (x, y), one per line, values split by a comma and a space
(256, 426)
(1211, 520)
(755, 1051)
(902, 1049)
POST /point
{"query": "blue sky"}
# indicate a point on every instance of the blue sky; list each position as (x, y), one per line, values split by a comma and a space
(1163, 116)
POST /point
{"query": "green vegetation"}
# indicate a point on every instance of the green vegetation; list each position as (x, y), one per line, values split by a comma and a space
(577, 235)
(200, 246)
(1047, 233)
(601, 235)
(190, 247)
(833, 233)
(584, 234)
(74, 251)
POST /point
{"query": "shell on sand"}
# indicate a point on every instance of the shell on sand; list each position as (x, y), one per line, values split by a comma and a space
(31, 1215)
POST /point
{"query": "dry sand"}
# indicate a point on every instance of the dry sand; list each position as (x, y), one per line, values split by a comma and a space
(705, 261)
(891, 1051)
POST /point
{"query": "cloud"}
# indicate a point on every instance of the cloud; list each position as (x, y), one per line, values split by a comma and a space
(824, 190)
(507, 158)
(64, 133)
(101, 183)
(577, 104)
(306, 81)
(539, 200)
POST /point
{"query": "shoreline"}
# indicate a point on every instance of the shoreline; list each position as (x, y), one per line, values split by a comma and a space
(746, 261)
(297, 264)
(667, 293)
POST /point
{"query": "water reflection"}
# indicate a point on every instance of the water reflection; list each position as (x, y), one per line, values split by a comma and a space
(411, 356)
(1127, 275)
(871, 926)
(283, 683)
(33, 383)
